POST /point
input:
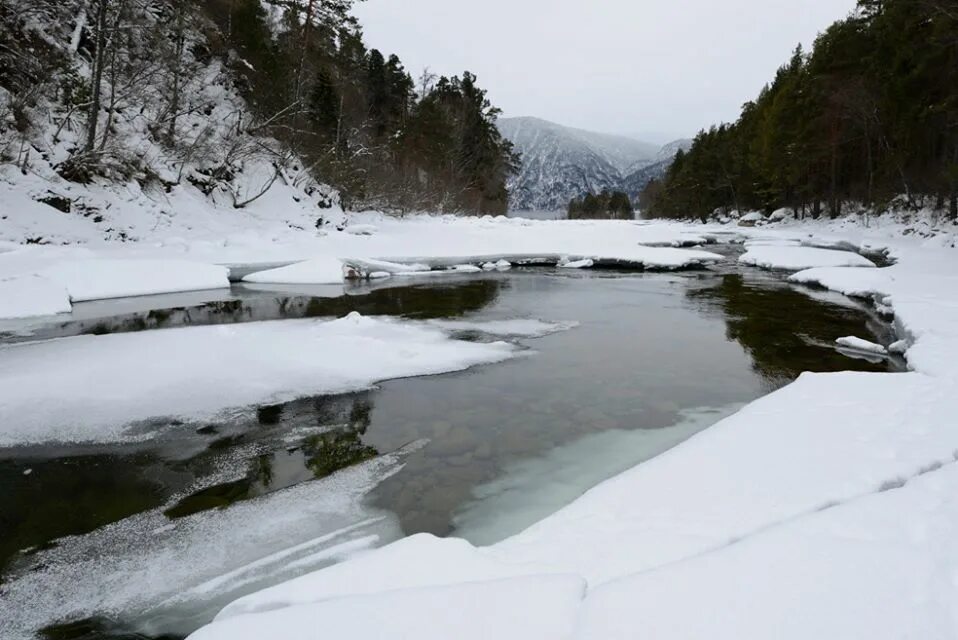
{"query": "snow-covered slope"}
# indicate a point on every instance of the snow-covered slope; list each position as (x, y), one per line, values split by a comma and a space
(560, 163)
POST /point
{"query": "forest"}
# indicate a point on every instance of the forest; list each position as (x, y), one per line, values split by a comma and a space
(607, 205)
(868, 118)
(313, 93)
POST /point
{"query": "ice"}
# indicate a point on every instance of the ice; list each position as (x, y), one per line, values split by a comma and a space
(577, 264)
(100, 279)
(858, 344)
(515, 328)
(525, 608)
(318, 271)
(792, 258)
(90, 388)
(31, 296)
(529, 491)
(166, 576)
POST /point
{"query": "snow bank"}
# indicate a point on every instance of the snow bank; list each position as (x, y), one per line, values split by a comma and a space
(856, 283)
(30, 296)
(881, 566)
(792, 258)
(319, 271)
(90, 388)
(101, 279)
(527, 608)
(415, 562)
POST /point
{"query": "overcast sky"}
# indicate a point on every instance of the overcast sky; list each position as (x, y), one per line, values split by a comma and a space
(664, 67)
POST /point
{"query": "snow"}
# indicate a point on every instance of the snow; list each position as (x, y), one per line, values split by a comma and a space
(792, 258)
(858, 344)
(414, 562)
(318, 271)
(526, 608)
(30, 296)
(755, 216)
(780, 215)
(855, 283)
(100, 279)
(91, 388)
(361, 229)
(881, 566)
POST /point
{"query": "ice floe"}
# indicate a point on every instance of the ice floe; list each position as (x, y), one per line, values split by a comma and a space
(31, 296)
(91, 388)
(792, 258)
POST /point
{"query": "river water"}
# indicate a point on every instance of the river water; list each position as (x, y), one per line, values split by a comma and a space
(151, 538)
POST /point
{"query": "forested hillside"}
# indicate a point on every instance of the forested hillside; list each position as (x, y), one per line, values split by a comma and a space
(166, 92)
(870, 115)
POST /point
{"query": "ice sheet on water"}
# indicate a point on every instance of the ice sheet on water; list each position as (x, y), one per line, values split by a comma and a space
(149, 568)
(514, 328)
(797, 258)
(533, 489)
(90, 388)
(324, 270)
(32, 296)
(858, 344)
(110, 278)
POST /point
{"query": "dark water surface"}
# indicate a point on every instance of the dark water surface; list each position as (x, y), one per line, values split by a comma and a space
(483, 453)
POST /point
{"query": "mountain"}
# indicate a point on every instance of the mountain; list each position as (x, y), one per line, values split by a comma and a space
(560, 163)
(637, 179)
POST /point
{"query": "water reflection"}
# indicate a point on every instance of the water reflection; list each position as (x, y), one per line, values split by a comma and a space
(784, 330)
(255, 304)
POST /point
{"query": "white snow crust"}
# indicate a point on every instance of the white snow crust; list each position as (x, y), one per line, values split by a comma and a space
(93, 388)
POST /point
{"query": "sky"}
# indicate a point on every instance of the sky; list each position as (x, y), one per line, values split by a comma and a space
(662, 69)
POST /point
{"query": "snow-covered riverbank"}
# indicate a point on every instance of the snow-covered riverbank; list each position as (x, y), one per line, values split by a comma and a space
(833, 497)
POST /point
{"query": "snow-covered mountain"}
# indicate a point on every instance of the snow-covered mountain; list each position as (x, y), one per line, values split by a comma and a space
(560, 163)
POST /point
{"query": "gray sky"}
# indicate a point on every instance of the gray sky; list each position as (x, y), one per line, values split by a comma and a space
(668, 67)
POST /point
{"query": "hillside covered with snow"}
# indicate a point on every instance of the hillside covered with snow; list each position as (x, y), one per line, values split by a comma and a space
(560, 163)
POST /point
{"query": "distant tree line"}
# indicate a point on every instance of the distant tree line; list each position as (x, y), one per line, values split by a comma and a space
(354, 116)
(614, 205)
(870, 115)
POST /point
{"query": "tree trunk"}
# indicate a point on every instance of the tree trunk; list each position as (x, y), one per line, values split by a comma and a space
(97, 76)
(114, 77)
(178, 50)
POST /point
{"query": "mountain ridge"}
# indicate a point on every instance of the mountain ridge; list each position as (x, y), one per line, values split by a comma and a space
(560, 163)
